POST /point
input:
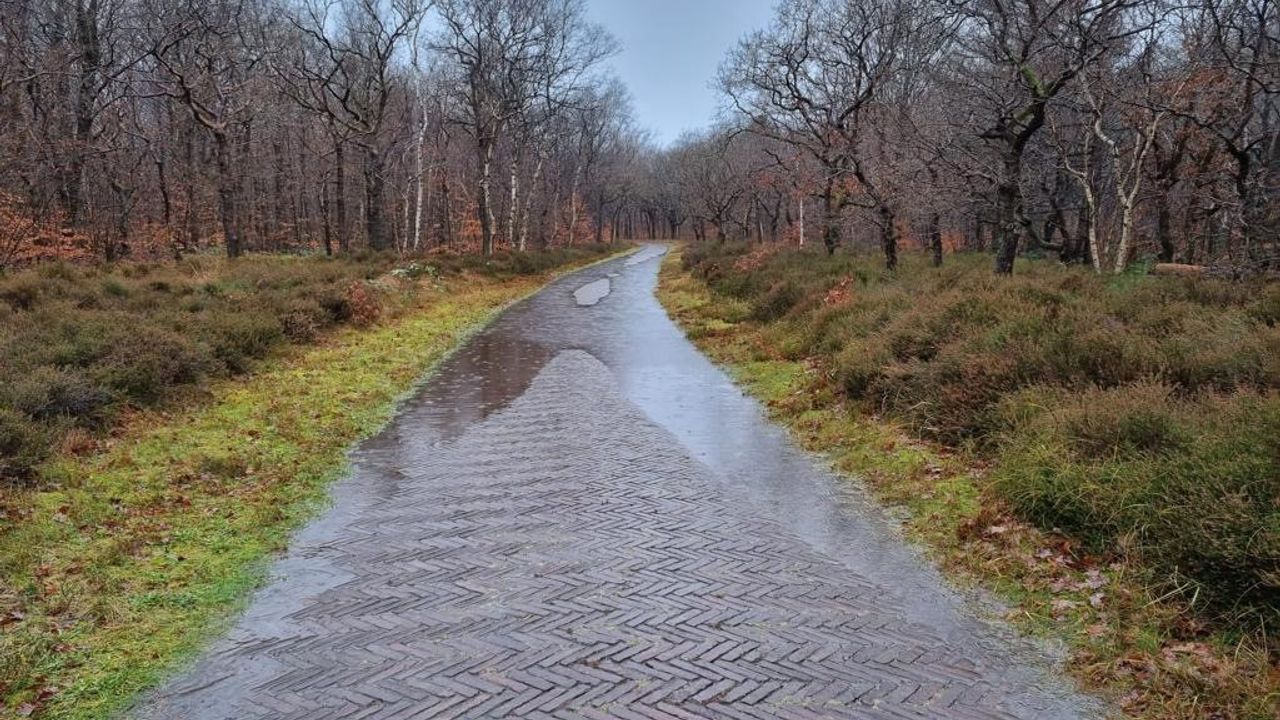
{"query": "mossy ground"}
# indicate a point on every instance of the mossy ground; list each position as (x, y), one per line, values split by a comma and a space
(1125, 643)
(127, 560)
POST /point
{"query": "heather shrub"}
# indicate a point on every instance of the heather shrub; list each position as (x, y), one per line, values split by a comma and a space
(144, 362)
(50, 393)
(363, 304)
(1187, 484)
(776, 301)
(1140, 414)
(24, 444)
(78, 344)
(507, 263)
(236, 339)
(302, 320)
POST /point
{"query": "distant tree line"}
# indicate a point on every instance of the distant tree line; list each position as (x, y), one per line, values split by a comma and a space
(1093, 131)
(261, 125)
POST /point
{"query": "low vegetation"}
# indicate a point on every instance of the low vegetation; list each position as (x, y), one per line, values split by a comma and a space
(1103, 452)
(121, 552)
(80, 345)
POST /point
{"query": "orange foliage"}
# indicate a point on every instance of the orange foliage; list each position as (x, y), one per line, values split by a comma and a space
(755, 259)
(27, 237)
(363, 303)
(841, 293)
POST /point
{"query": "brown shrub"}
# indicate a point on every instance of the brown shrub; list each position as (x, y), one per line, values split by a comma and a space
(363, 304)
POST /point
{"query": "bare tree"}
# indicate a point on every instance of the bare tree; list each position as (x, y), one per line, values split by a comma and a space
(1019, 57)
(812, 81)
(350, 82)
(207, 59)
(513, 57)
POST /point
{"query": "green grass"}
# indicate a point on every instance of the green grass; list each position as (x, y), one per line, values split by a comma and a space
(1152, 653)
(125, 561)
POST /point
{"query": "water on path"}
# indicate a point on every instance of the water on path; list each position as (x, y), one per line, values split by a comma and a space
(578, 515)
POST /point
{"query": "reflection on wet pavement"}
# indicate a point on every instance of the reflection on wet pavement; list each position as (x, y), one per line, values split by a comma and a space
(592, 292)
(681, 390)
(658, 371)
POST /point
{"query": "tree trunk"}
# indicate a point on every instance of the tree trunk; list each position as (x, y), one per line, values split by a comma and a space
(1125, 246)
(192, 229)
(528, 201)
(1008, 209)
(162, 184)
(513, 211)
(446, 208)
(573, 207)
(374, 218)
(277, 188)
(485, 200)
(326, 227)
(227, 195)
(935, 239)
(830, 219)
(888, 238)
(419, 181)
(1164, 226)
(89, 46)
(599, 219)
(340, 194)
(802, 221)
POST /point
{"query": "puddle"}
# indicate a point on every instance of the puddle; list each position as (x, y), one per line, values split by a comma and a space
(593, 292)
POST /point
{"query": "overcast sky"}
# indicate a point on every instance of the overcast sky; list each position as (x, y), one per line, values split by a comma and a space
(670, 52)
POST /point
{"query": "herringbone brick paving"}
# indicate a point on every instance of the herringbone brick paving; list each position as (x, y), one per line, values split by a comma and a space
(544, 550)
(565, 558)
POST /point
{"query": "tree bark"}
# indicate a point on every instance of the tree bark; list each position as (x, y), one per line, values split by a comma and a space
(935, 239)
(340, 194)
(227, 195)
(513, 210)
(485, 200)
(1008, 211)
(326, 227)
(830, 218)
(88, 42)
(888, 237)
(419, 181)
(375, 221)
(1164, 227)
(528, 201)
(446, 208)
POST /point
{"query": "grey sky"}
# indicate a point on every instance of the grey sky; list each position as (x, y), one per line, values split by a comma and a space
(670, 52)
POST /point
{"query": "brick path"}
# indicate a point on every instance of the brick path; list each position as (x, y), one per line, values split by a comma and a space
(564, 558)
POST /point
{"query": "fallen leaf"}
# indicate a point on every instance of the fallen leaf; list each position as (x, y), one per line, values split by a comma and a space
(1094, 579)
(1062, 606)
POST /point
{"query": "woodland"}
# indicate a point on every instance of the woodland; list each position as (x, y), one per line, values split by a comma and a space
(1012, 262)
(1091, 132)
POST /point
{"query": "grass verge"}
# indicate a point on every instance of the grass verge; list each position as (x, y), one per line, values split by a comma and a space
(1146, 651)
(126, 560)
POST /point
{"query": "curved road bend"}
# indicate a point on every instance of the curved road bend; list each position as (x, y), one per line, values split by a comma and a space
(579, 516)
